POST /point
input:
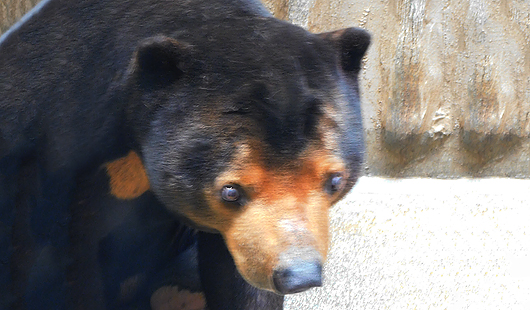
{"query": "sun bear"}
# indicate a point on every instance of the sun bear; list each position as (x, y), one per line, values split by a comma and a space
(152, 143)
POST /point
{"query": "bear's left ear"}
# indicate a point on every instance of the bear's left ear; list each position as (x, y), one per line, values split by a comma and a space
(351, 44)
(160, 60)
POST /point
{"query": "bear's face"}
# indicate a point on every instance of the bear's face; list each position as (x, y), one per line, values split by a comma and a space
(255, 142)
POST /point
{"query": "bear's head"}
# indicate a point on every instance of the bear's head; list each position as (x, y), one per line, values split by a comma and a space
(253, 131)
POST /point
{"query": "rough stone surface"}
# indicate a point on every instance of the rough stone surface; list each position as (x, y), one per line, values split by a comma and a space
(445, 86)
(427, 244)
(12, 10)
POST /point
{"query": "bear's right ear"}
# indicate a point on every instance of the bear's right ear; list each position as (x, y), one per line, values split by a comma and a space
(351, 45)
(160, 60)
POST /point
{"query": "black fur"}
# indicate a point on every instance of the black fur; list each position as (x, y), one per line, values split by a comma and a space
(181, 83)
(215, 266)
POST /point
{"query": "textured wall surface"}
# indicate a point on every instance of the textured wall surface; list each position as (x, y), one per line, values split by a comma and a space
(446, 85)
(12, 10)
(408, 244)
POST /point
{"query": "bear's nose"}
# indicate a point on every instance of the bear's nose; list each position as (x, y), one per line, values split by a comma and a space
(297, 277)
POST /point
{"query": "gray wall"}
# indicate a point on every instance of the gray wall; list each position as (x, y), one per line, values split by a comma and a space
(446, 85)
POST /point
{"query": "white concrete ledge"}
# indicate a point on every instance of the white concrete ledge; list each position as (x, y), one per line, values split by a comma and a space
(428, 244)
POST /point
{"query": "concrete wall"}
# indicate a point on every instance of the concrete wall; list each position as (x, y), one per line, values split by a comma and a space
(446, 84)
(12, 10)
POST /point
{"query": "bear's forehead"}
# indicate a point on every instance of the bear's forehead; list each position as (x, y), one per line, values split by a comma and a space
(260, 47)
(267, 78)
(279, 66)
(286, 125)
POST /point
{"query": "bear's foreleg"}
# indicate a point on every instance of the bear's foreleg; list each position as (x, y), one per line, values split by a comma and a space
(223, 286)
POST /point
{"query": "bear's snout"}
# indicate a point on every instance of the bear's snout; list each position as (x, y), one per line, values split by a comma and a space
(298, 269)
(299, 276)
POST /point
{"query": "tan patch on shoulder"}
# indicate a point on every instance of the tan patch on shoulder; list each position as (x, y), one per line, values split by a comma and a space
(172, 298)
(128, 179)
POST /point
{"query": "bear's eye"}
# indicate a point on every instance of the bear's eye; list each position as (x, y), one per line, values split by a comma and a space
(230, 193)
(335, 183)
